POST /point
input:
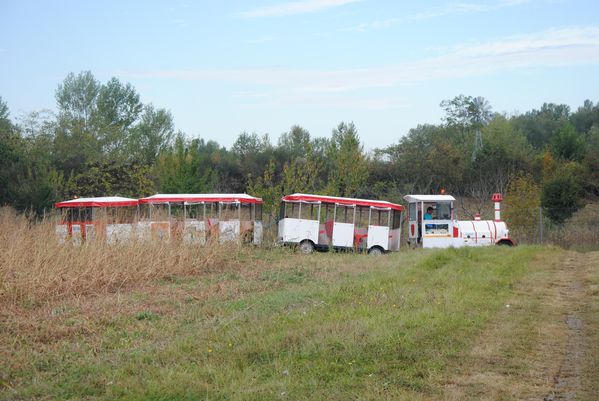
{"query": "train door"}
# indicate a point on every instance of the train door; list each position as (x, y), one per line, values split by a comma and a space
(194, 228)
(378, 227)
(414, 228)
(343, 226)
(257, 220)
(229, 221)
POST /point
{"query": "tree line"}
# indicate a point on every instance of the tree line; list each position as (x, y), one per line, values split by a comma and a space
(103, 140)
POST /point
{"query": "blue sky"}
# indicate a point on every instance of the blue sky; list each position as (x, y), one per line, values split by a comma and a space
(223, 67)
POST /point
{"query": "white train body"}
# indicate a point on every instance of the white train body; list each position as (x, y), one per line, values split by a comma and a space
(325, 222)
(432, 223)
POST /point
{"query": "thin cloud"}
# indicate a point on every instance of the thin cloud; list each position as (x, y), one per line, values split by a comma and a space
(293, 8)
(260, 40)
(436, 12)
(180, 22)
(342, 101)
(550, 48)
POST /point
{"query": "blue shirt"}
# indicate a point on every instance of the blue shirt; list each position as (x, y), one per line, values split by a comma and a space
(428, 216)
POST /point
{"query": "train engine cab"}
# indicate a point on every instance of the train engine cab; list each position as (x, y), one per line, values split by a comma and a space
(325, 222)
(432, 223)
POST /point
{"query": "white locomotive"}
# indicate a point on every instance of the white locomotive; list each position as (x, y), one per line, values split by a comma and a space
(432, 223)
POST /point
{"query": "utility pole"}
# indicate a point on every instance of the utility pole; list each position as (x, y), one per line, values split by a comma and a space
(541, 223)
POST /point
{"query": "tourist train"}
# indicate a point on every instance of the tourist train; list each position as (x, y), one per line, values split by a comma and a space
(306, 221)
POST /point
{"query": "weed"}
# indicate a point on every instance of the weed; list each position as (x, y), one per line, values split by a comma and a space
(146, 315)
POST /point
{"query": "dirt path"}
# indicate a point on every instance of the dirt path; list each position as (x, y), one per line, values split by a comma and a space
(577, 273)
(544, 344)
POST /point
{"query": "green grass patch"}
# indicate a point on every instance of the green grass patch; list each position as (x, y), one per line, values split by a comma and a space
(385, 331)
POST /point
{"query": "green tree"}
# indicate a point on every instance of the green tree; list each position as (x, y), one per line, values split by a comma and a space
(296, 143)
(349, 170)
(466, 112)
(9, 144)
(117, 110)
(591, 161)
(190, 167)
(563, 194)
(252, 153)
(77, 98)
(267, 187)
(28, 180)
(106, 121)
(76, 143)
(107, 178)
(505, 153)
(585, 117)
(539, 126)
(567, 144)
(5, 123)
(301, 174)
(426, 160)
(153, 134)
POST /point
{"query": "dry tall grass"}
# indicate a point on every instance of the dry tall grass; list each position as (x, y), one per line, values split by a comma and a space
(580, 232)
(35, 268)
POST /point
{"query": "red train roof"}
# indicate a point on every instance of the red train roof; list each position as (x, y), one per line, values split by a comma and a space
(104, 201)
(341, 201)
(178, 198)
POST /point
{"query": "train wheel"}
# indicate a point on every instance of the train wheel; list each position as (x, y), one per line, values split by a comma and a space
(375, 251)
(306, 246)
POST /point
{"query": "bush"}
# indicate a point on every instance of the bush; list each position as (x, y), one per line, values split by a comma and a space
(562, 196)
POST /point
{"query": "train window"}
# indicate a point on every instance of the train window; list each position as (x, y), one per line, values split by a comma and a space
(117, 215)
(245, 211)
(379, 217)
(413, 212)
(362, 215)
(344, 214)
(256, 212)
(290, 210)
(443, 211)
(159, 211)
(326, 212)
(177, 211)
(194, 211)
(211, 210)
(144, 211)
(309, 211)
(229, 211)
(396, 219)
(293, 210)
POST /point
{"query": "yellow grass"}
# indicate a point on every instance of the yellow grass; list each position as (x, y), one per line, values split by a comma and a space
(36, 268)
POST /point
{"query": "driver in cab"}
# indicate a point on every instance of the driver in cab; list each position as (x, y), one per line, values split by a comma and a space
(429, 213)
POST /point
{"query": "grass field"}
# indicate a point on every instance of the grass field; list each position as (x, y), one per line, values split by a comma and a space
(494, 323)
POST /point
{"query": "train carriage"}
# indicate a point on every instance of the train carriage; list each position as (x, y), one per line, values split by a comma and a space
(110, 218)
(325, 222)
(197, 218)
